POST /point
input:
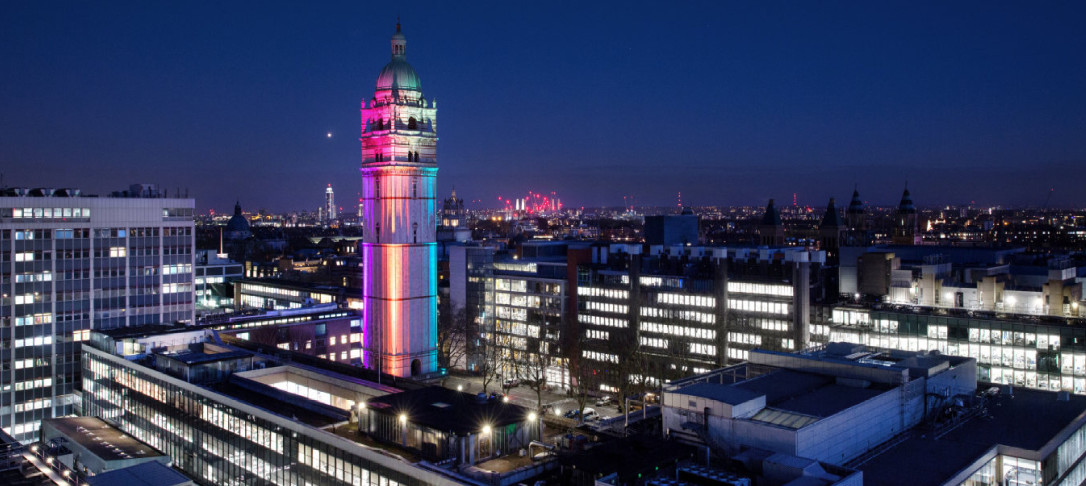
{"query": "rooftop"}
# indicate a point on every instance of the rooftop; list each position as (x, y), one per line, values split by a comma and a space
(449, 410)
(149, 473)
(102, 439)
(944, 455)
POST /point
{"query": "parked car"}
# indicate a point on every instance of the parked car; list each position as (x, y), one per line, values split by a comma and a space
(605, 400)
(511, 383)
(590, 415)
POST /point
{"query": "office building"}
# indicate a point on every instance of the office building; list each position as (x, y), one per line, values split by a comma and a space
(645, 319)
(71, 263)
(231, 417)
(399, 249)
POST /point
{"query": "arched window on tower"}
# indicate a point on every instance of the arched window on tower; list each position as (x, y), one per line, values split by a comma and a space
(377, 231)
(380, 124)
(377, 189)
(415, 232)
(415, 188)
(412, 124)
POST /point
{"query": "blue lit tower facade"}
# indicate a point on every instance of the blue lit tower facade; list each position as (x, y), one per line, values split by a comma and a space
(399, 249)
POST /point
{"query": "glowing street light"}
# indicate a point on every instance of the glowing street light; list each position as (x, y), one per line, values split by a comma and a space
(531, 416)
(486, 430)
(403, 418)
(460, 388)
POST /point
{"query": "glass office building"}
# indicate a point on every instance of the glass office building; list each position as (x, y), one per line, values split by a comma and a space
(222, 440)
(1043, 353)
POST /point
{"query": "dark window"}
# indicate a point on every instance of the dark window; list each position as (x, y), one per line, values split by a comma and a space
(412, 124)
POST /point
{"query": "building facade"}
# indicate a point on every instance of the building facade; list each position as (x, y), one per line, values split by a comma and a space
(399, 249)
(219, 439)
(70, 264)
(645, 319)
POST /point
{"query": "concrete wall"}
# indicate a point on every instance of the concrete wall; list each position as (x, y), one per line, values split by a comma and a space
(847, 434)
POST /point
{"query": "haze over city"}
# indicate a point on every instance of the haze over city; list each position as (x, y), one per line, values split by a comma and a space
(728, 103)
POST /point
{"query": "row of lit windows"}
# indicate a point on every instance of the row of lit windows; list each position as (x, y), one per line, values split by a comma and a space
(30, 363)
(45, 276)
(265, 289)
(686, 299)
(34, 341)
(597, 334)
(702, 348)
(32, 384)
(745, 338)
(689, 315)
(343, 470)
(34, 319)
(35, 404)
(44, 213)
(760, 289)
(510, 285)
(774, 325)
(607, 307)
(598, 356)
(759, 306)
(654, 342)
(602, 321)
(601, 292)
(673, 330)
(177, 269)
(820, 330)
(740, 354)
(516, 313)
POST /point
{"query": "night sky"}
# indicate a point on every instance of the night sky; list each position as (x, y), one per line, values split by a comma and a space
(727, 102)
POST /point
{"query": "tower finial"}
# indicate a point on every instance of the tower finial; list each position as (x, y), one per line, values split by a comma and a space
(397, 23)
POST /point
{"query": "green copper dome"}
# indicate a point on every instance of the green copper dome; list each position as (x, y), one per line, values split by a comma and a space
(398, 74)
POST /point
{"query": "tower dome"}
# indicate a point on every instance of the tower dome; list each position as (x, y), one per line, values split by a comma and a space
(398, 74)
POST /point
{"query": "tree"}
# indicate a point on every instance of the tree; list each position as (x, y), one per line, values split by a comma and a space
(532, 370)
(489, 354)
(453, 338)
(584, 379)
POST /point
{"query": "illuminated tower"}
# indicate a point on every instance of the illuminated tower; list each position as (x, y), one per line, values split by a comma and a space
(329, 203)
(399, 253)
(906, 230)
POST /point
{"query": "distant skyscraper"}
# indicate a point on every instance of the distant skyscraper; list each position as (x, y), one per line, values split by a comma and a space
(70, 264)
(399, 253)
(329, 204)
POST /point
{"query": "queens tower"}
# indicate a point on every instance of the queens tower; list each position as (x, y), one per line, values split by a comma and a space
(399, 253)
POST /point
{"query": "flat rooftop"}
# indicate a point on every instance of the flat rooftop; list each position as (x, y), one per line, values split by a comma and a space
(151, 473)
(1028, 420)
(449, 410)
(102, 439)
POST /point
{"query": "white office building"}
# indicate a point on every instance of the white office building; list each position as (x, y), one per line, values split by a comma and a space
(71, 263)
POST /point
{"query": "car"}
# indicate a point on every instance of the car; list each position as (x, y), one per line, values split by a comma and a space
(606, 400)
(590, 415)
(511, 383)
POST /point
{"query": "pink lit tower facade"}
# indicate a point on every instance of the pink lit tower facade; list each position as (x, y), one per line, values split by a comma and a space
(399, 249)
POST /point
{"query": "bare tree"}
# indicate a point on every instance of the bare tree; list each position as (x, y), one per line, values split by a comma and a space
(453, 338)
(532, 370)
(489, 358)
(584, 380)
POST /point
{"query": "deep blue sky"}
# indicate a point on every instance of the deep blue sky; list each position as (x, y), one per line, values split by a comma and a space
(728, 102)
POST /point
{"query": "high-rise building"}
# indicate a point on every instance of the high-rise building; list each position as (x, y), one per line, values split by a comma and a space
(329, 204)
(399, 249)
(70, 264)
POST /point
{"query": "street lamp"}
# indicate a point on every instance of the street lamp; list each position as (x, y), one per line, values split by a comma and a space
(459, 388)
(403, 418)
(486, 430)
(531, 417)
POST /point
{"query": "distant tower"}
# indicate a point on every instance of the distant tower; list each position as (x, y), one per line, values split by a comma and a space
(329, 203)
(771, 230)
(831, 230)
(906, 229)
(399, 253)
(856, 225)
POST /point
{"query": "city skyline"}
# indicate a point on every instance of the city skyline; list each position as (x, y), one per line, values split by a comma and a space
(729, 104)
